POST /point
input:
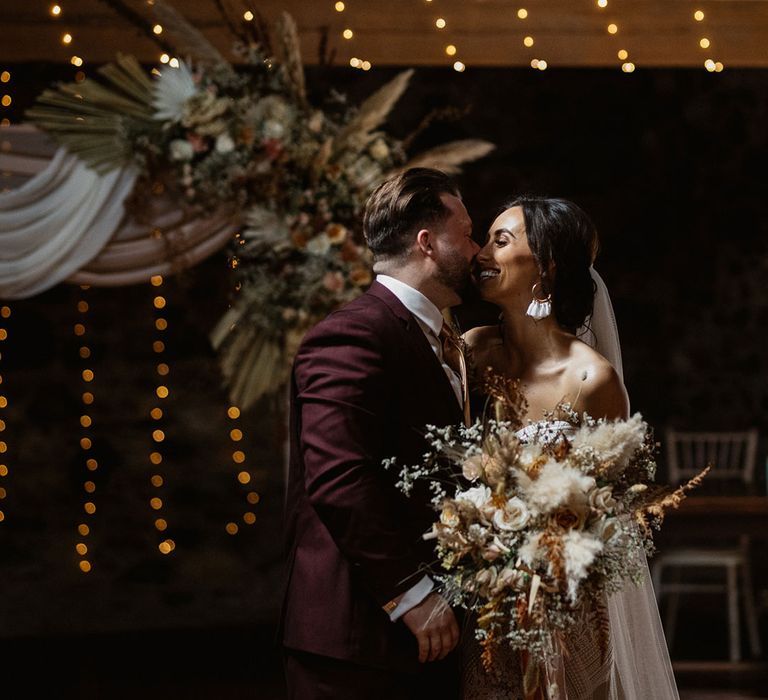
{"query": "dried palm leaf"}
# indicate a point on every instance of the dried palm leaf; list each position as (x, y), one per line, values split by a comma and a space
(187, 39)
(373, 111)
(90, 118)
(450, 156)
(291, 56)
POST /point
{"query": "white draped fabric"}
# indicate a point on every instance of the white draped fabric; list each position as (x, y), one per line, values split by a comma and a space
(62, 221)
(57, 222)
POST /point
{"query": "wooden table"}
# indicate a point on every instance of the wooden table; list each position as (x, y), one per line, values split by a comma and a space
(717, 515)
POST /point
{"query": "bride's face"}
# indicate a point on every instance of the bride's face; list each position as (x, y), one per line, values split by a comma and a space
(506, 269)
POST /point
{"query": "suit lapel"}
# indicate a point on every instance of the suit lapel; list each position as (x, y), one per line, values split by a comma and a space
(422, 353)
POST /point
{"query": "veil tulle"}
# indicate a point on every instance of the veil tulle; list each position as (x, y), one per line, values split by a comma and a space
(641, 665)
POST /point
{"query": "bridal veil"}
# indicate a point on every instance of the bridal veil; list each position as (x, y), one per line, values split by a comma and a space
(641, 668)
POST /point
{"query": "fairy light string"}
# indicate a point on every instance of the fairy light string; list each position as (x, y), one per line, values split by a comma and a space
(166, 545)
(80, 330)
(5, 314)
(243, 476)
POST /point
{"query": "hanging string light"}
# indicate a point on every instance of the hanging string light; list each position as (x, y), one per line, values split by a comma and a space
(710, 64)
(348, 34)
(5, 314)
(162, 369)
(6, 100)
(243, 475)
(80, 330)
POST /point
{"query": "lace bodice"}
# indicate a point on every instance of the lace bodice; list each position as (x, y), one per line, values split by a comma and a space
(545, 430)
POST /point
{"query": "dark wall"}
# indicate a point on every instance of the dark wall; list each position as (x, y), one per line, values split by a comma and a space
(671, 166)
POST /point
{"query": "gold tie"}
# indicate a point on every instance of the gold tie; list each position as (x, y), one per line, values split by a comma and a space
(453, 356)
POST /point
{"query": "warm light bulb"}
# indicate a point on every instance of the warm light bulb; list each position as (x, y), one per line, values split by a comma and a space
(354, 62)
(233, 412)
(710, 65)
(698, 15)
(440, 23)
(76, 61)
(528, 41)
(450, 50)
(5, 76)
(56, 10)
(365, 65)
(459, 67)
(232, 528)
(719, 67)
(244, 477)
(622, 54)
(347, 33)
(542, 65)
(339, 7)
(174, 63)
(704, 43)
(522, 13)
(602, 3)
(66, 39)
(164, 58)
(628, 67)
(612, 28)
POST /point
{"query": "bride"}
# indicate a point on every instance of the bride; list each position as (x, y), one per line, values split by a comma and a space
(557, 335)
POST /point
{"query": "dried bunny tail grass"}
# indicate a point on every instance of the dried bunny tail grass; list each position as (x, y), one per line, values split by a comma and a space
(655, 511)
(291, 55)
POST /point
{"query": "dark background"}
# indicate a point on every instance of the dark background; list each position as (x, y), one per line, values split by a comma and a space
(671, 165)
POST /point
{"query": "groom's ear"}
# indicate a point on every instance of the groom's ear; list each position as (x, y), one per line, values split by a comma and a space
(424, 242)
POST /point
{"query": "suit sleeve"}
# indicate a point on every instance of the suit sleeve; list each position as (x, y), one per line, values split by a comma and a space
(345, 395)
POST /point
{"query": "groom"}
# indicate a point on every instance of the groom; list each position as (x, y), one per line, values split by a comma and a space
(360, 618)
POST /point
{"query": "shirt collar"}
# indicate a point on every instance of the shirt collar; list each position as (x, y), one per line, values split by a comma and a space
(413, 300)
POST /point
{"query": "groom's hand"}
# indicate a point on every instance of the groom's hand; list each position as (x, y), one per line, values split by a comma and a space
(434, 625)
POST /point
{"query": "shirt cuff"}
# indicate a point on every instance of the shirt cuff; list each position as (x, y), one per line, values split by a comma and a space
(412, 597)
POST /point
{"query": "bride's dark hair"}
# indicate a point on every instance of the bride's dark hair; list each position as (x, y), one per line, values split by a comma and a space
(560, 232)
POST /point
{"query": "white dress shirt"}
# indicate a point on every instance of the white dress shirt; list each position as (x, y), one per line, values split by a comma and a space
(430, 321)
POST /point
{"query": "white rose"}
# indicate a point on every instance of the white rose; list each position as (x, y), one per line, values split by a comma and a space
(473, 468)
(477, 496)
(181, 149)
(602, 498)
(319, 245)
(514, 515)
(273, 129)
(379, 150)
(494, 550)
(224, 143)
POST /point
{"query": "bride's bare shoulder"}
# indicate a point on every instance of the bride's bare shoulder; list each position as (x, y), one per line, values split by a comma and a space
(482, 336)
(601, 390)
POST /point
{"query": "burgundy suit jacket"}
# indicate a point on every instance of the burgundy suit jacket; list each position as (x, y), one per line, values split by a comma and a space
(365, 384)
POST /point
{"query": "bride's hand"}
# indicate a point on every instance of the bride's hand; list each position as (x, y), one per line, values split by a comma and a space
(434, 625)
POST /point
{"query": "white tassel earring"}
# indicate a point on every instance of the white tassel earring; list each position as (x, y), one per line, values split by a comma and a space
(539, 308)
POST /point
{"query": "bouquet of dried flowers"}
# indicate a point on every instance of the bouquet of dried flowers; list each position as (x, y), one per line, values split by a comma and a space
(535, 521)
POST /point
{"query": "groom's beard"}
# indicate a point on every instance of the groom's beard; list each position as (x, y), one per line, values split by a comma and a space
(455, 273)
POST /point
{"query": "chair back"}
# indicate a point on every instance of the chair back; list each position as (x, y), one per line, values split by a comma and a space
(732, 455)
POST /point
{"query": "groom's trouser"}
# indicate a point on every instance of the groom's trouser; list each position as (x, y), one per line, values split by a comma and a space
(313, 677)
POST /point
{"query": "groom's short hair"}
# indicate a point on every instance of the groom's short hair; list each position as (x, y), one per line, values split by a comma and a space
(401, 206)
